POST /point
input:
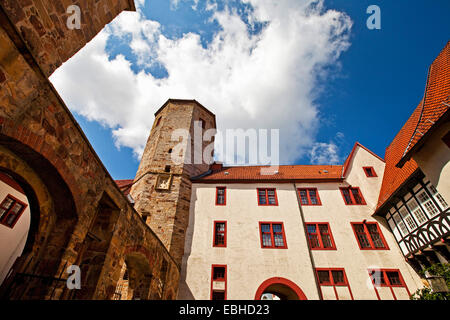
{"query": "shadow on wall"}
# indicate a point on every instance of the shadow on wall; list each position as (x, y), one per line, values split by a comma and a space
(184, 292)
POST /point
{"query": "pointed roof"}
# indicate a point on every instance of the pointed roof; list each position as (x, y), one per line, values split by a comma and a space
(435, 104)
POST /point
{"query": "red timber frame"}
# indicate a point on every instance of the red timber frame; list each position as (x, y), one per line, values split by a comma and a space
(383, 273)
(272, 235)
(224, 279)
(373, 174)
(8, 210)
(319, 203)
(367, 234)
(319, 236)
(353, 201)
(224, 245)
(267, 196)
(331, 283)
(224, 196)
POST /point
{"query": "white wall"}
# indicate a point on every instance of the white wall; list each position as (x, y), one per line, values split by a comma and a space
(248, 265)
(12, 240)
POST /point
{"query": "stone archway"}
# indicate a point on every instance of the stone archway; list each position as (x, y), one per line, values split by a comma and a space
(53, 216)
(281, 287)
(136, 278)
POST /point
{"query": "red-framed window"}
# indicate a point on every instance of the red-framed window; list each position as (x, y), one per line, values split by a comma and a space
(332, 277)
(446, 139)
(309, 196)
(221, 196)
(369, 236)
(218, 282)
(391, 278)
(352, 196)
(220, 234)
(267, 197)
(11, 209)
(272, 235)
(370, 172)
(319, 236)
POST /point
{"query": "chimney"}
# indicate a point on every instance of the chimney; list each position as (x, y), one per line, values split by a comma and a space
(216, 166)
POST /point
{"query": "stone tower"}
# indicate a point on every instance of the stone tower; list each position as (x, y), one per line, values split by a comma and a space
(162, 186)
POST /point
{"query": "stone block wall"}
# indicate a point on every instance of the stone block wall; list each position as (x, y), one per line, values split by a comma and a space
(44, 149)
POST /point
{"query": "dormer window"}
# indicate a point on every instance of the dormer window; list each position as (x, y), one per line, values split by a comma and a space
(370, 172)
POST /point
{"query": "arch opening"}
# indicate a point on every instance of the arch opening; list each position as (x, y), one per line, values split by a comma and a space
(278, 288)
(51, 219)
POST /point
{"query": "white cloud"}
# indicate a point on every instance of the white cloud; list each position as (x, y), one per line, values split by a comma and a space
(267, 80)
(324, 153)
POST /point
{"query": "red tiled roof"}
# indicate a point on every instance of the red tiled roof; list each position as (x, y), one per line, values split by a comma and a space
(393, 176)
(436, 99)
(124, 185)
(285, 173)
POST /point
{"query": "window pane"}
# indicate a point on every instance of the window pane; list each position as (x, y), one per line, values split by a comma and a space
(262, 197)
(356, 196)
(378, 277)
(313, 196)
(220, 196)
(265, 228)
(375, 236)
(346, 193)
(278, 239)
(277, 228)
(303, 197)
(417, 211)
(219, 273)
(271, 196)
(362, 237)
(408, 219)
(394, 277)
(324, 277)
(338, 277)
(325, 235)
(6, 204)
(267, 240)
(311, 228)
(400, 224)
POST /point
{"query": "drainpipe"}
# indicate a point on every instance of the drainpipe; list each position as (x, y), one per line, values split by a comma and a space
(302, 216)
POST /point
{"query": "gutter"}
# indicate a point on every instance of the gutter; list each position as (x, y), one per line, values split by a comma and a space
(313, 265)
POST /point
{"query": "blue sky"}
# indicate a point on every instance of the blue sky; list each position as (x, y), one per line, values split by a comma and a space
(365, 94)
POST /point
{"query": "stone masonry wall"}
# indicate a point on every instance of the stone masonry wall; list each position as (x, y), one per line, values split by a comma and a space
(168, 210)
(36, 128)
(42, 24)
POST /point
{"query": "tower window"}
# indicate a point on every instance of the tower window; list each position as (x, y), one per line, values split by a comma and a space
(158, 121)
(170, 150)
(167, 169)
